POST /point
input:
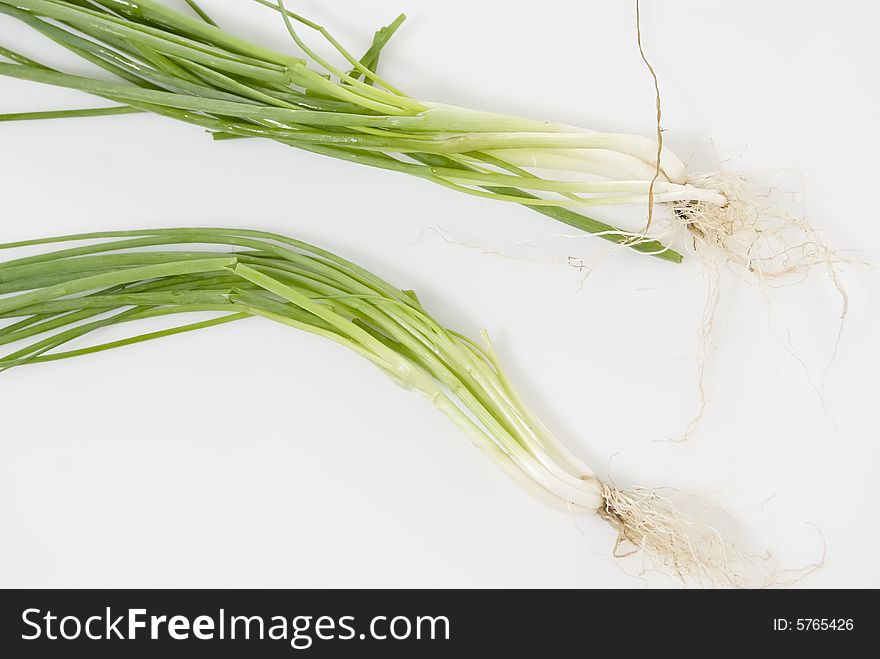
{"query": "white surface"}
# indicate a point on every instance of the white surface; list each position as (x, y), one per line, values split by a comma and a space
(252, 455)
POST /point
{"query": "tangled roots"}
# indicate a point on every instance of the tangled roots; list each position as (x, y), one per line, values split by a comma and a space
(750, 230)
(676, 542)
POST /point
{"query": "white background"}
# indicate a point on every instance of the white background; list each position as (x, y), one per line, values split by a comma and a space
(253, 455)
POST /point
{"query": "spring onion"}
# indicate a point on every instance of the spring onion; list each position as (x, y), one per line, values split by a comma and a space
(117, 279)
(185, 67)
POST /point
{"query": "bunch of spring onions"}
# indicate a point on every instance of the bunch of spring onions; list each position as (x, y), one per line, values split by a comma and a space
(120, 278)
(186, 67)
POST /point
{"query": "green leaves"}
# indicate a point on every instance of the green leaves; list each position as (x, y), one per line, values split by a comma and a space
(184, 67)
(117, 279)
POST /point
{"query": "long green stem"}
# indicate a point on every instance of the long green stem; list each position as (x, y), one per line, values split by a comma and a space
(67, 114)
(185, 67)
(341, 288)
(121, 279)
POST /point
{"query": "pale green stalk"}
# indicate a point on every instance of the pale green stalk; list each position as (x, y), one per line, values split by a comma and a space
(186, 67)
(281, 280)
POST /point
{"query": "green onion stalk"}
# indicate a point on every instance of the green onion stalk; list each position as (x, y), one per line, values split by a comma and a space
(185, 67)
(76, 286)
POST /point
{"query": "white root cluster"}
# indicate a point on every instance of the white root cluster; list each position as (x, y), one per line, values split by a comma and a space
(750, 230)
(676, 542)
